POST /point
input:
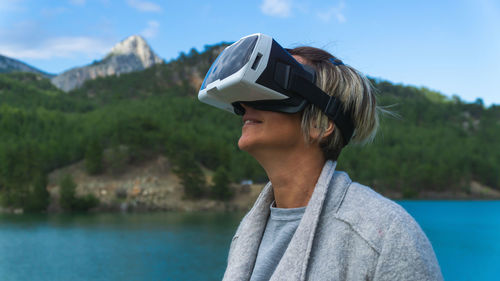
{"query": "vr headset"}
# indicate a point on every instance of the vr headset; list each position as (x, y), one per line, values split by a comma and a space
(258, 72)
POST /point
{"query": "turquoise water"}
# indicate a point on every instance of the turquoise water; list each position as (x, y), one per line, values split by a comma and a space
(180, 246)
(465, 236)
(165, 246)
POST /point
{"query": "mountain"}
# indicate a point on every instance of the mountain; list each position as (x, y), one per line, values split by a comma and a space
(8, 65)
(182, 76)
(130, 55)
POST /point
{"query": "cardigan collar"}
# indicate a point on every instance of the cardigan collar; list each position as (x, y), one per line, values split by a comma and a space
(293, 264)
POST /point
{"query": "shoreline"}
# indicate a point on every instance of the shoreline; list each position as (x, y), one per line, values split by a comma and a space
(207, 205)
(151, 186)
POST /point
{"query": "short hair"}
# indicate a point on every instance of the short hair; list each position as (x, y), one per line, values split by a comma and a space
(354, 91)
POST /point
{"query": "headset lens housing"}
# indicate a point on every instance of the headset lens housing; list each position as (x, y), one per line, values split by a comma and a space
(232, 59)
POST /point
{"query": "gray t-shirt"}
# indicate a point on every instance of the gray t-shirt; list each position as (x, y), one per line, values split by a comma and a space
(280, 228)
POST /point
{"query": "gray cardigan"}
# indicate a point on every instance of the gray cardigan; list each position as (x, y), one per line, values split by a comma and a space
(348, 232)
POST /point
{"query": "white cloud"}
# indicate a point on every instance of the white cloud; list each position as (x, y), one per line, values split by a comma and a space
(333, 12)
(144, 6)
(59, 47)
(151, 30)
(277, 8)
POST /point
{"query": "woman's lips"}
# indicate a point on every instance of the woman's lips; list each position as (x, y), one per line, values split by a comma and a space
(251, 122)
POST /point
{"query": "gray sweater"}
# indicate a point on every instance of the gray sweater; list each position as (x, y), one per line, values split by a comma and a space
(348, 232)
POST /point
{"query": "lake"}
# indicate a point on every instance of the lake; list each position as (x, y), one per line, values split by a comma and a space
(193, 246)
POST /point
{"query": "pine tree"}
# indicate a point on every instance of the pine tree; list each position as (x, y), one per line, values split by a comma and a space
(93, 157)
(67, 198)
(220, 188)
(38, 197)
(191, 176)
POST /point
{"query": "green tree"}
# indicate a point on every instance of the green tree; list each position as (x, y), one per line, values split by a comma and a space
(117, 159)
(67, 187)
(68, 199)
(93, 157)
(85, 203)
(38, 198)
(191, 176)
(220, 188)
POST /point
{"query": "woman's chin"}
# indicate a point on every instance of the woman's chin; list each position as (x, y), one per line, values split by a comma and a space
(244, 143)
(247, 143)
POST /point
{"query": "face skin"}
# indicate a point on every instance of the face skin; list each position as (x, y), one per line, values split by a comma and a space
(276, 141)
(265, 131)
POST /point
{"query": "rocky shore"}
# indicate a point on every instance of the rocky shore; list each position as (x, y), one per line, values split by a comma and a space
(152, 186)
(147, 186)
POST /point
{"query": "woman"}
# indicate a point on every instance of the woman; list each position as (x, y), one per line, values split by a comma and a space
(312, 222)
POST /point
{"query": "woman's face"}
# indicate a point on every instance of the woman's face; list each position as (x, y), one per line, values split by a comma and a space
(270, 131)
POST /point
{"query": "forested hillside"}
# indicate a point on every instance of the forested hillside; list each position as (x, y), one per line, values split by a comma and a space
(436, 144)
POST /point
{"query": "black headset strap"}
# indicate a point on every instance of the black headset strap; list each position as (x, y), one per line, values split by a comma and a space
(331, 106)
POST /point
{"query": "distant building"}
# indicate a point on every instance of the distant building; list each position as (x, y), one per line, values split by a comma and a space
(246, 182)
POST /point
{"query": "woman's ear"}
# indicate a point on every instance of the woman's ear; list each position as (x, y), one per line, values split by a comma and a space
(315, 131)
(329, 129)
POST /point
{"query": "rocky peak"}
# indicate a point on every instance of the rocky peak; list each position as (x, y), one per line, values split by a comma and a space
(131, 54)
(136, 45)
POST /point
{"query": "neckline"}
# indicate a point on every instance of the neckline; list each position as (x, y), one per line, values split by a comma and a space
(288, 214)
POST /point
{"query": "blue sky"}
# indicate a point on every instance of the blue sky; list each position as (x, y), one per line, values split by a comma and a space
(449, 46)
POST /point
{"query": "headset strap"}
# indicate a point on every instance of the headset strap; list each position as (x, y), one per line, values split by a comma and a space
(331, 106)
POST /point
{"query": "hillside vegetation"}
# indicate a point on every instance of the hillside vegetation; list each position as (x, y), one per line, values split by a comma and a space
(436, 145)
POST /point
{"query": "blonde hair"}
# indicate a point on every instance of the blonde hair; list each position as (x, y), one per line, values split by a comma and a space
(354, 91)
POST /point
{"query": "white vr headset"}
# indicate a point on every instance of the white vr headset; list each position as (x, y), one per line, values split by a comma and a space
(258, 72)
